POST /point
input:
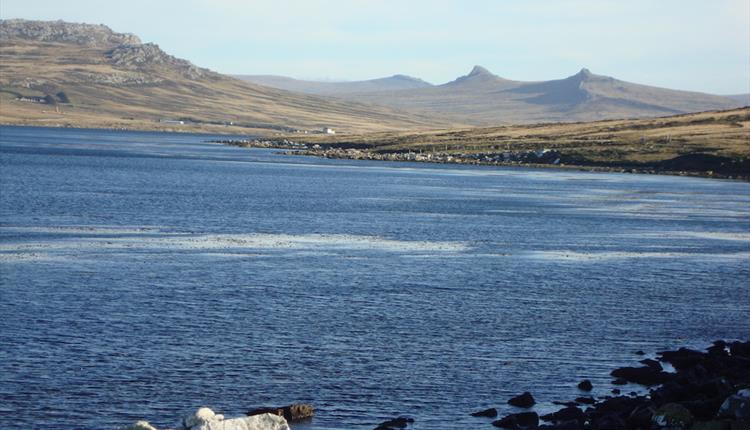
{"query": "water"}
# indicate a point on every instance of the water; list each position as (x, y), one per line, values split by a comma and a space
(145, 274)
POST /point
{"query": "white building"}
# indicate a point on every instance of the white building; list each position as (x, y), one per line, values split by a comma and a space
(328, 130)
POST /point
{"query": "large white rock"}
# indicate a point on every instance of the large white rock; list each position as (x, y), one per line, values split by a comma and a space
(256, 422)
(140, 425)
(200, 417)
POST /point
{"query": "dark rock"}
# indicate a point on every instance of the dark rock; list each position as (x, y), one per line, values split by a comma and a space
(570, 413)
(740, 349)
(640, 418)
(619, 381)
(683, 358)
(711, 425)
(567, 425)
(640, 353)
(608, 422)
(525, 400)
(585, 400)
(491, 413)
(616, 391)
(703, 409)
(641, 375)
(673, 415)
(652, 364)
(523, 420)
(736, 406)
(585, 385)
(400, 422)
(294, 412)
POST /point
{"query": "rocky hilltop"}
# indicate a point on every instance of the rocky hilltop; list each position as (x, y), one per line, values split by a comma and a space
(124, 51)
(147, 56)
(90, 35)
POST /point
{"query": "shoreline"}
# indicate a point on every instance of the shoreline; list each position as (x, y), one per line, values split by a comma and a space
(522, 159)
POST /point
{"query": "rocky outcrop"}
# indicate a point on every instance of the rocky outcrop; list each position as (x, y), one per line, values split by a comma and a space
(98, 36)
(124, 51)
(149, 55)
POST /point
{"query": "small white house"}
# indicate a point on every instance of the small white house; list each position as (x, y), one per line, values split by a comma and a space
(328, 130)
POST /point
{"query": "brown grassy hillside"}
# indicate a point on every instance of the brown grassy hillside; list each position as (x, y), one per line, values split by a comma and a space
(94, 77)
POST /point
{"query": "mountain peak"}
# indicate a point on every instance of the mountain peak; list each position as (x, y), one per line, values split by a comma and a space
(583, 75)
(479, 71)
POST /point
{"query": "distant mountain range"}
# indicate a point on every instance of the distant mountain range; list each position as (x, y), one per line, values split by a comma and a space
(59, 73)
(392, 83)
(483, 98)
(54, 72)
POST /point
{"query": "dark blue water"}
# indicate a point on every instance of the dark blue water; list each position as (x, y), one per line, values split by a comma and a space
(144, 275)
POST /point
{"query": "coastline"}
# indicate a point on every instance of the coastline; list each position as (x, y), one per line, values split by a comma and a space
(523, 159)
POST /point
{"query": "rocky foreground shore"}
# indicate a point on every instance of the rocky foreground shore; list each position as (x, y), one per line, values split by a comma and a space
(706, 391)
(688, 390)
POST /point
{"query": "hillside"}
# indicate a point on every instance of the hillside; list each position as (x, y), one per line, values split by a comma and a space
(392, 83)
(482, 98)
(717, 142)
(58, 73)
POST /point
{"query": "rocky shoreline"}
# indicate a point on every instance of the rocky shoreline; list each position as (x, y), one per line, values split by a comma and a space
(697, 165)
(688, 390)
(706, 391)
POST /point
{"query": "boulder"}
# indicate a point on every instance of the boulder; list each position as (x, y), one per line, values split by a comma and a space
(201, 416)
(571, 413)
(525, 400)
(585, 385)
(140, 425)
(400, 422)
(256, 422)
(294, 412)
(490, 413)
(206, 419)
(522, 421)
(641, 375)
(673, 416)
(736, 405)
(585, 400)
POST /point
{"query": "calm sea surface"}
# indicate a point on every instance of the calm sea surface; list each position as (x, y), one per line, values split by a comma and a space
(143, 275)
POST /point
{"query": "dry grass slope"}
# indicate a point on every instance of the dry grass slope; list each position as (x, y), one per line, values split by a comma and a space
(106, 84)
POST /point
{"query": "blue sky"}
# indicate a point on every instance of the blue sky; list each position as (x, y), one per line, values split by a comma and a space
(685, 44)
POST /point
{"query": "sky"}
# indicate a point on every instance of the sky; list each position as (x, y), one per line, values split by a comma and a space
(693, 45)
